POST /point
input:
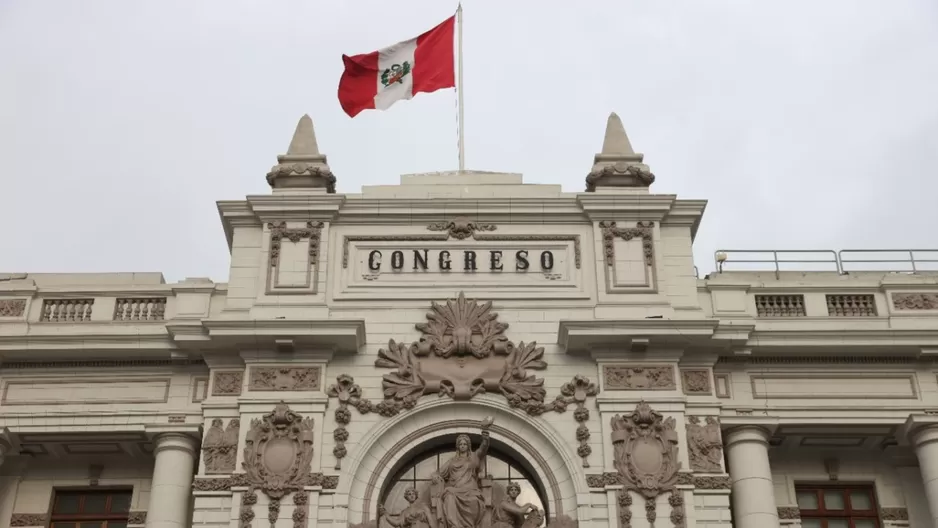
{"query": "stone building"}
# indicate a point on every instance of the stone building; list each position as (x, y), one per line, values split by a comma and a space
(517, 355)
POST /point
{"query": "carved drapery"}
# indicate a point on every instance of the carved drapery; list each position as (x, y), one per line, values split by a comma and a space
(704, 445)
(641, 230)
(278, 451)
(645, 450)
(219, 448)
(463, 352)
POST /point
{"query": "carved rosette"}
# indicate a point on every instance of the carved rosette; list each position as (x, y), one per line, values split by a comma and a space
(220, 446)
(705, 445)
(641, 230)
(348, 394)
(645, 450)
(278, 451)
(461, 228)
(463, 352)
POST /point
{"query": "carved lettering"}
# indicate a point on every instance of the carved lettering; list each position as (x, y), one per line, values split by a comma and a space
(374, 260)
(547, 260)
(521, 260)
(420, 260)
(397, 260)
(495, 260)
(445, 263)
(469, 258)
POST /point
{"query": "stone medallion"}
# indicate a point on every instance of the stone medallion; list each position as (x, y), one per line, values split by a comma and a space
(645, 450)
(278, 451)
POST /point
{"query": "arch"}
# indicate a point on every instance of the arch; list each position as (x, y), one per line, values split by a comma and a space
(383, 447)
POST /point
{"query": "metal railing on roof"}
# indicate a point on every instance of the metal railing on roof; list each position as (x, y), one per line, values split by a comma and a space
(843, 261)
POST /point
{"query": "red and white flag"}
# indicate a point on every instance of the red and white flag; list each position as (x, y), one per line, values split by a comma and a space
(379, 79)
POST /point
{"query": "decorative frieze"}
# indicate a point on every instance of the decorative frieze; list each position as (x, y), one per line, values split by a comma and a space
(461, 228)
(284, 379)
(12, 307)
(601, 480)
(641, 230)
(621, 377)
(227, 383)
(66, 310)
(28, 519)
(140, 309)
(219, 448)
(696, 381)
(645, 451)
(789, 513)
(704, 445)
(328, 482)
(915, 301)
(894, 514)
(137, 517)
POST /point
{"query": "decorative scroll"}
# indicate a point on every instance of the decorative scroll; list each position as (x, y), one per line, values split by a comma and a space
(625, 508)
(219, 448)
(641, 230)
(645, 450)
(461, 228)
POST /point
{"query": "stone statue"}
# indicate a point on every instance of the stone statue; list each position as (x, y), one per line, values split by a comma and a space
(413, 516)
(508, 514)
(455, 490)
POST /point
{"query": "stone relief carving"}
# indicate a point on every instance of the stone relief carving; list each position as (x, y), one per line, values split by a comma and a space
(300, 509)
(651, 511)
(695, 381)
(789, 513)
(348, 393)
(894, 514)
(576, 391)
(328, 482)
(509, 514)
(219, 448)
(28, 519)
(645, 451)
(704, 445)
(279, 231)
(639, 378)
(278, 451)
(641, 230)
(461, 228)
(415, 515)
(712, 483)
(246, 513)
(639, 176)
(915, 301)
(463, 352)
(456, 489)
(284, 379)
(273, 512)
(12, 307)
(137, 517)
(601, 480)
(677, 509)
(625, 508)
(227, 383)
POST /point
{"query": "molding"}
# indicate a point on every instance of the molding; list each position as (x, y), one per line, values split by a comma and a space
(643, 230)
(313, 234)
(343, 335)
(579, 336)
(824, 360)
(167, 382)
(117, 363)
(239, 480)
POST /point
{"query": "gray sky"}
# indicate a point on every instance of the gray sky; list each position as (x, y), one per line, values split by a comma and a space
(806, 124)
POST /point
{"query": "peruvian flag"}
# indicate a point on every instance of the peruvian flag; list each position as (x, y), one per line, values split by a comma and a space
(379, 79)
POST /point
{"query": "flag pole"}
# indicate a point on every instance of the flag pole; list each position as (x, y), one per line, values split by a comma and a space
(459, 96)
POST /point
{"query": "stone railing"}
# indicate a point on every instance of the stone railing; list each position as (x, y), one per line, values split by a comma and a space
(780, 306)
(851, 305)
(140, 309)
(66, 310)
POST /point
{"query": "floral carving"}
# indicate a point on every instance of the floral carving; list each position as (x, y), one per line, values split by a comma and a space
(279, 231)
(300, 509)
(137, 517)
(637, 175)
(651, 511)
(601, 480)
(28, 519)
(278, 450)
(461, 228)
(894, 514)
(227, 383)
(321, 173)
(12, 307)
(463, 352)
(915, 301)
(624, 498)
(712, 483)
(348, 393)
(641, 230)
(695, 381)
(677, 509)
(645, 450)
(639, 378)
(284, 379)
(246, 513)
(789, 513)
(219, 448)
(704, 445)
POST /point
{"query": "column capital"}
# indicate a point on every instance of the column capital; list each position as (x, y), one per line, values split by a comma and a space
(925, 434)
(747, 433)
(177, 441)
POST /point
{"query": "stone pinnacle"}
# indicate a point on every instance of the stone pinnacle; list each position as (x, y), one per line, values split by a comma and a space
(304, 139)
(616, 141)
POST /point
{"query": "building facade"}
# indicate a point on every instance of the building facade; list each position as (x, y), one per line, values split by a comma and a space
(464, 350)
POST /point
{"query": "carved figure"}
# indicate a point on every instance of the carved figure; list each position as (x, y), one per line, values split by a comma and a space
(704, 445)
(219, 446)
(456, 490)
(534, 519)
(413, 516)
(508, 514)
(645, 445)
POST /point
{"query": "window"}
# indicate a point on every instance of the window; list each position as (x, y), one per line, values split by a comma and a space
(416, 474)
(837, 507)
(91, 509)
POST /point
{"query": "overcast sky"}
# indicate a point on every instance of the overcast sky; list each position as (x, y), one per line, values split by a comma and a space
(806, 124)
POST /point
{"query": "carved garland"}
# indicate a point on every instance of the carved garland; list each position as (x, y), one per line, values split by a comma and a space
(219, 448)
(328, 482)
(611, 232)
(348, 393)
(300, 509)
(677, 509)
(461, 228)
(279, 231)
(137, 517)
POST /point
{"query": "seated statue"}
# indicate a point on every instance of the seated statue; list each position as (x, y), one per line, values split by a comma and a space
(508, 514)
(413, 516)
(455, 490)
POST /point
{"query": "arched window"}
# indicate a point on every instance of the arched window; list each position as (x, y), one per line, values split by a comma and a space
(504, 465)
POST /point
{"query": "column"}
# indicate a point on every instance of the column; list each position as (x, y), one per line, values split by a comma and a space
(925, 441)
(747, 453)
(9, 483)
(171, 488)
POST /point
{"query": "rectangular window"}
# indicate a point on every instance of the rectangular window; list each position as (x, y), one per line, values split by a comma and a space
(91, 509)
(837, 506)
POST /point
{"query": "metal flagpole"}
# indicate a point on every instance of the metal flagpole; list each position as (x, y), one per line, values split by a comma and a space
(459, 96)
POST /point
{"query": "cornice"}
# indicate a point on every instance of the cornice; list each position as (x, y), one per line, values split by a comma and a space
(107, 336)
(581, 336)
(843, 338)
(603, 206)
(305, 207)
(342, 335)
(687, 212)
(496, 209)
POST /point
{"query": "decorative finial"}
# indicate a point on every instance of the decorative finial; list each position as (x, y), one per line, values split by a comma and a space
(302, 167)
(618, 165)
